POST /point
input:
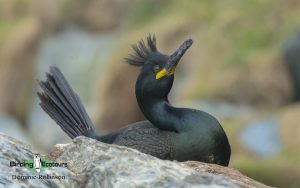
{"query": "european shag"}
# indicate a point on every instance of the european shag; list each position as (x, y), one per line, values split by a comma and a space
(170, 133)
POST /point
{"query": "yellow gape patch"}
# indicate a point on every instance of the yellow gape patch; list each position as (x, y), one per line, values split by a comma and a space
(164, 72)
(161, 74)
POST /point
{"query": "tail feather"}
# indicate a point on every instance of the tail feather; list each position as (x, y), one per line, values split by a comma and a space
(63, 105)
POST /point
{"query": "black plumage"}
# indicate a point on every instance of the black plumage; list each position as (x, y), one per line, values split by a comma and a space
(169, 133)
(142, 51)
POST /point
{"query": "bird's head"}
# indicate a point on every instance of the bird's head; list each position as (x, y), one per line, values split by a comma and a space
(157, 72)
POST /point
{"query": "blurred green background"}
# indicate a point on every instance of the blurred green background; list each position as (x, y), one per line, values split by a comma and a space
(243, 68)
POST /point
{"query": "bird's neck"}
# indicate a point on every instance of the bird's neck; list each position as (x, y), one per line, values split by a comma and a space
(159, 112)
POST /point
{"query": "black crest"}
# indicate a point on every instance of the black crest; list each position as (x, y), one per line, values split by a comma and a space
(142, 51)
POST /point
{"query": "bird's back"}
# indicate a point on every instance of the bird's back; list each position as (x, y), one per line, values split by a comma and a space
(145, 137)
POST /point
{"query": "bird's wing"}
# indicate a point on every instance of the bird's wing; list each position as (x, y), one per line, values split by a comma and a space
(148, 139)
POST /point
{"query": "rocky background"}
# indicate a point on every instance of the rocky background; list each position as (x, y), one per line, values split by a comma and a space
(244, 68)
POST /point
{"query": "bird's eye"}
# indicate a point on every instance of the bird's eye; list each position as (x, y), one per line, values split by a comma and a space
(156, 68)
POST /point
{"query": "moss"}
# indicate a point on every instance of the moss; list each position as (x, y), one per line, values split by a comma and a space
(143, 13)
(19, 11)
(5, 28)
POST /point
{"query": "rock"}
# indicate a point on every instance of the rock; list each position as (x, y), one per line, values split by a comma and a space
(234, 175)
(289, 127)
(262, 137)
(264, 81)
(117, 97)
(94, 164)
(14, 150)
(17, 68)
(102, 15)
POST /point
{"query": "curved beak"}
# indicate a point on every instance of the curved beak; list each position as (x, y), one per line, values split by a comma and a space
(174, 59)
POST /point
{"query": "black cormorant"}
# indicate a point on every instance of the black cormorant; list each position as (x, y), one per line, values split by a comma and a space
(171, 133)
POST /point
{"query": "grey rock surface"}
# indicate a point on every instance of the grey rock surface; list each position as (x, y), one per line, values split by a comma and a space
(14, 150)
(94, 164)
